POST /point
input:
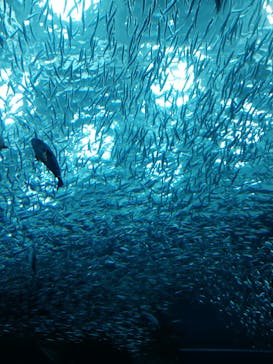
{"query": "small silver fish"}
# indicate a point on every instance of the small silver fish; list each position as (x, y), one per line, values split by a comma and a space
(44, 154)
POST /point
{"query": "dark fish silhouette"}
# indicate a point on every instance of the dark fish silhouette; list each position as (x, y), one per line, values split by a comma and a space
(218, 4)
(44, 154)
(2, 144)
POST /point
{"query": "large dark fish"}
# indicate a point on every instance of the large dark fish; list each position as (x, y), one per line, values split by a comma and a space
(44, 154)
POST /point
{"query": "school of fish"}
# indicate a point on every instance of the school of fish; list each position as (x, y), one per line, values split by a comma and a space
(155, 118)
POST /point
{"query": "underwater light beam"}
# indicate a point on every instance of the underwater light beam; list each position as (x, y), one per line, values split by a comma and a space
(71, 8)
(179, 79)
(269, 12)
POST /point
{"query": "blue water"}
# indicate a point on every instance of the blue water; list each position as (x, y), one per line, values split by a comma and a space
(160, 116)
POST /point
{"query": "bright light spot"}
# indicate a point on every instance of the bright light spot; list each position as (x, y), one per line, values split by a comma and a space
(270, 19)
(182, 100)
(5, 74)
(16, 102)
(154, 47)
(94, 145)
(178, 171)
(25, 79)
(9, 121)
(269, 12)
(174, 83)
(268, 8)
(11, 101)
(199, 55)
(71, 8)
(240, 164)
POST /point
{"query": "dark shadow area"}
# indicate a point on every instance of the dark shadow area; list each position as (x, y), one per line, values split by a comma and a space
(189, 333)
(28, 350)
(198, 333)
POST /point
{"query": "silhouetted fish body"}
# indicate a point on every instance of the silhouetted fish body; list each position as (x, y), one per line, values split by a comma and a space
(44, 154)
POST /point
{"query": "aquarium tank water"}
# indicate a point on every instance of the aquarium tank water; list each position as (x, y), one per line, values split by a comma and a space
(136, 168)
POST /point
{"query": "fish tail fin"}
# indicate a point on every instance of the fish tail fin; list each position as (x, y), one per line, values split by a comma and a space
(60, 182)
